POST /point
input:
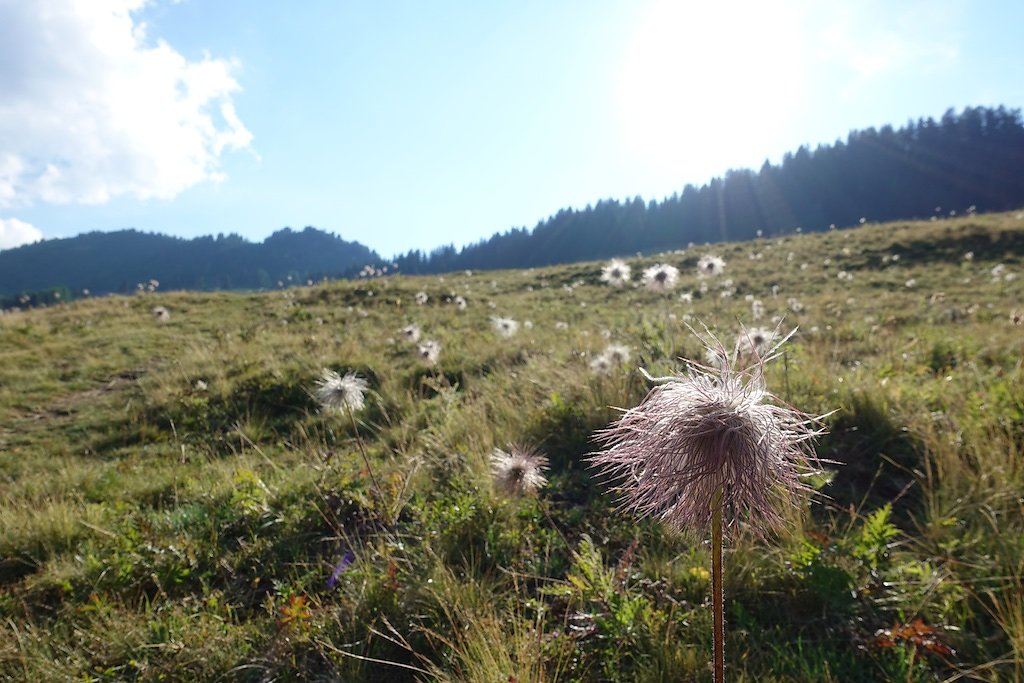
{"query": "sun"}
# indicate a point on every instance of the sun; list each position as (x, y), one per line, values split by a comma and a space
(704, 87)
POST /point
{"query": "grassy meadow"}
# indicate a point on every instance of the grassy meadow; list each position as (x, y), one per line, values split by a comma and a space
(175, 506)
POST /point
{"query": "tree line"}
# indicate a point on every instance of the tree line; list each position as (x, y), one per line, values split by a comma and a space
(974, 158)
(106, 262)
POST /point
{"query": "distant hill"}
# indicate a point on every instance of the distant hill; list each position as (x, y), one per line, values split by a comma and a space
(971, 161)
(105, 262)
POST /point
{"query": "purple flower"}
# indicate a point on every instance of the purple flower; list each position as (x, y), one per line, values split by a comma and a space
(347, 559)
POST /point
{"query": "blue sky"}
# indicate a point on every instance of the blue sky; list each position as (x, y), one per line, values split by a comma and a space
(411, 124)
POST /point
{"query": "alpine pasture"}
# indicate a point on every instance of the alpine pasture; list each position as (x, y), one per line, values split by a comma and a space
(387, 479)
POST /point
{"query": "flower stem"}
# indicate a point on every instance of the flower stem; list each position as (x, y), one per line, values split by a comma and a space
(366, 459)
(717, 592)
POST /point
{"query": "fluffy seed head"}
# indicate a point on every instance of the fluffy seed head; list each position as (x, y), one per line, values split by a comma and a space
(600, 364)
(710, 430)
(337, 393)
(617, 353)
(161, 314)
(410, 333)
(661, 278)
(616, 273)
(421, 298)
(506, 327)
(710, 266)
(518, 471)
(755, 340)
(429, 351)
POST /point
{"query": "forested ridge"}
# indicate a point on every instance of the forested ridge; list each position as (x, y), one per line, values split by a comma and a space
(105, 262)
(971, 159)
(974, 158)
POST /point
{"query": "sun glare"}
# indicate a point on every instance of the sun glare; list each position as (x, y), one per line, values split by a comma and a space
(709, 85)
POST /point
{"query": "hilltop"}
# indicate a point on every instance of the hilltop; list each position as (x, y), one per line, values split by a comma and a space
(116, 262)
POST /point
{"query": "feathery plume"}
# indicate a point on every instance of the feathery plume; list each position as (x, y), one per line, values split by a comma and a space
(518, 471)
(616, 273)
(707, 434)
(617, 353)
(754, 341)
(506, 327)
(660, 278)
(410, 333)
(600, 364)
(337, 393)
(710, 266)
(429, 351)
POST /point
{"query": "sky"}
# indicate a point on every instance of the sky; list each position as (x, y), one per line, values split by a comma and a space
(410, 125)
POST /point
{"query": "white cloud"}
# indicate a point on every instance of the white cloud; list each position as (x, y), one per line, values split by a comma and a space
(14, 233)
(93, 109)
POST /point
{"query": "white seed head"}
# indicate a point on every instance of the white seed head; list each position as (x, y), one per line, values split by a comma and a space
(660, 278)
(518, 471)
(710, 266)
(616, 273)
(337, 393)
(505, 327)
(709, 431)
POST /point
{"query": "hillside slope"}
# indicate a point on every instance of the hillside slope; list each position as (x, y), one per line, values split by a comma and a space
(176, 504)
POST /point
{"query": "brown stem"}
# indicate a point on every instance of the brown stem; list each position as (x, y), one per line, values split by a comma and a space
(717, 592)
(366, 459)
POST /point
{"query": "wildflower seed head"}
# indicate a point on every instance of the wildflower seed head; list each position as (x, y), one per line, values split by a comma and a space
(616, 273)
(518, 471)
(161, 314)
(710, 430)
(710, 266)
(660, 278)
(410, 333)
(755, 340)
(337, 393)
(429, 351)
(600, 365)
(617, 354)
(505, 327)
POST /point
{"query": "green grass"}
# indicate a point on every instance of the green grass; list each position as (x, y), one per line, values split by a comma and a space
(152, 529)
